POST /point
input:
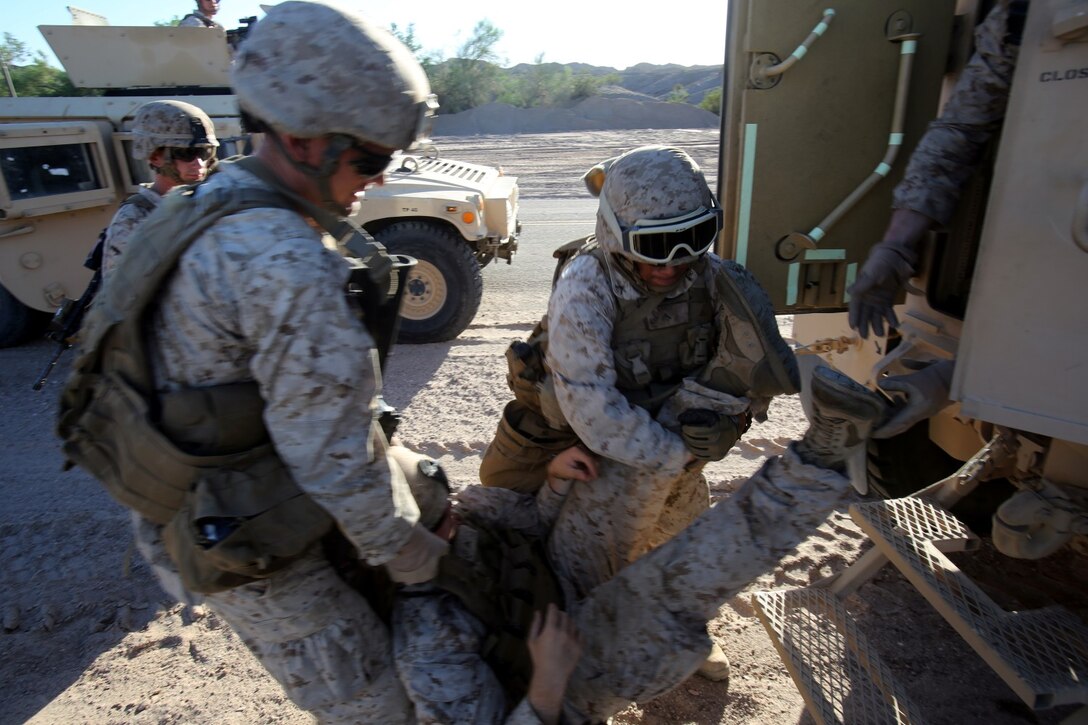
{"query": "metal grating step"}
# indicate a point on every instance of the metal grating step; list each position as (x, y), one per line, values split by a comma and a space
(841, 678)
(1041, 654)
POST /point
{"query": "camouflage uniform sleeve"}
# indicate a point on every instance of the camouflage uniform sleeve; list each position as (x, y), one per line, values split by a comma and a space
(580, 322)
(259, 298)
(124, 222)
(948, 153)
(549, 504)
(436, 645)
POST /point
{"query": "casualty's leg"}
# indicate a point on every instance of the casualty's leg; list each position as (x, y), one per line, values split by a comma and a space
(645, 630)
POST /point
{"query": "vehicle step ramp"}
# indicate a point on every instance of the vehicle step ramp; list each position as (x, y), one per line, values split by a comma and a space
(1041, 654)
(840, 677)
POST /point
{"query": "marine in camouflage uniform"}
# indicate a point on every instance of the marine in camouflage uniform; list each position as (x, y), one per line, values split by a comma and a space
(954, 144)
(177, 140)
(258, 299)
(202, 16)
(651, 485)
(940, 166)
(643, 631)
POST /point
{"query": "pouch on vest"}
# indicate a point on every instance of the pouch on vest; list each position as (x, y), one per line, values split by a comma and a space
(241, 524)
(138, 464)
(517, 457)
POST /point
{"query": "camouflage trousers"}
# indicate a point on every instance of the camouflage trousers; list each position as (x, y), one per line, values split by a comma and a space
(313, 633)
(611, 522)
(644, 630)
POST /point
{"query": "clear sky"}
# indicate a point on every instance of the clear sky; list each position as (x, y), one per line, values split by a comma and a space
(685, 32)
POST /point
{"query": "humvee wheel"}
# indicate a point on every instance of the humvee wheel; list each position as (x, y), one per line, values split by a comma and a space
(443, 290)
(17, 321)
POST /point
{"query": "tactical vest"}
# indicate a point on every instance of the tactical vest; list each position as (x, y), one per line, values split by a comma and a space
(197, 461)
(508, 580)
(204, 19)
(139, 201)
(93, 261)
(656, 343)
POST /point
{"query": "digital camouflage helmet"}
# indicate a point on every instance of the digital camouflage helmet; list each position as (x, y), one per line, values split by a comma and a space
(655, 206)
(172, 125)
(351, 79)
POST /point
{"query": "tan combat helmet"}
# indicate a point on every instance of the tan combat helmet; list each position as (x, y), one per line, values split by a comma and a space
(170, 124)
(655, 206)
(352, 79)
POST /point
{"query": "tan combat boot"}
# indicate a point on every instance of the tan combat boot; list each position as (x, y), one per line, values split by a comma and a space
(716, 667)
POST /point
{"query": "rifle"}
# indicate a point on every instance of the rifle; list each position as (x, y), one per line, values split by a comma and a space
(237, 35)
(68, 318)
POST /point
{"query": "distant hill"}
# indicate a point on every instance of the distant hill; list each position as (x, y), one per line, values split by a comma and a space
(653, 80)
(598, 113)
(636, 101)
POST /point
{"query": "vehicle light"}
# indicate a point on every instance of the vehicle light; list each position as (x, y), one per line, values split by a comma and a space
(451, 210)
(468, 217)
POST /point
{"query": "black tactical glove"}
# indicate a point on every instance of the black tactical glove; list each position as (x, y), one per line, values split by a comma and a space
(709, 435)
(878, 284)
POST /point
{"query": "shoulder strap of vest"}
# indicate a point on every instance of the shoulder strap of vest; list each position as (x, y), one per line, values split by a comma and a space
(346, 232)
(569, 251)
(371, 280)
(140, 201)
(160, 242)
(207, 22)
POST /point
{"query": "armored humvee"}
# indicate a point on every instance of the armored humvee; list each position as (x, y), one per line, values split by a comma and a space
(65, 166)
(822, 105)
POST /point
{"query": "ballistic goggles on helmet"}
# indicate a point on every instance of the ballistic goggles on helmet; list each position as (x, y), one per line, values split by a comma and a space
(678, 240)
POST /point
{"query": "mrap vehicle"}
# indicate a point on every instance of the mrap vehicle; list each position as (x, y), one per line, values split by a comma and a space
(65, 166)
(822, 104)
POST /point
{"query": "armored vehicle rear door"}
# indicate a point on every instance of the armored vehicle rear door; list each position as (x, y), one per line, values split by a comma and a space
(811, 147)
(1024, 350)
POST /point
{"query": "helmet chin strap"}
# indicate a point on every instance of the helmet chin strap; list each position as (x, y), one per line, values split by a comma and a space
(170, 170)
(322, 174)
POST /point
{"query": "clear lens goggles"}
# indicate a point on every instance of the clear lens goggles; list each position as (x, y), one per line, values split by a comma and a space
(204, 153)
(678, 240)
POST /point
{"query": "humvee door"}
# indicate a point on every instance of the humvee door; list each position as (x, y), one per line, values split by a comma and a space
(822, 105)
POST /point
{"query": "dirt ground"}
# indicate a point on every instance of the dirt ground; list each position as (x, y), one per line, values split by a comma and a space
(88, 637)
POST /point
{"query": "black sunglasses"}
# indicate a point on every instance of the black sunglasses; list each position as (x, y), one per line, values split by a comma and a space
(203, 153)
(369, 163)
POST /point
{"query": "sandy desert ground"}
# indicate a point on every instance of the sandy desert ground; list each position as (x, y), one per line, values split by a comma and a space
(88, 637)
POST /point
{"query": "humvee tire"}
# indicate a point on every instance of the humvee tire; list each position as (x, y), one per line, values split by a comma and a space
(17, 321)
(444, 289)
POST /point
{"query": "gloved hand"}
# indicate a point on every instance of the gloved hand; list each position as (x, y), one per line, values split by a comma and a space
(872, 295)
(709, 435)
(925, 394)
(890, 264)
(417, 560)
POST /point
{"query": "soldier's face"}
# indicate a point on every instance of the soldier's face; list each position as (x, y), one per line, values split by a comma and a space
(659, 277)
(208, 7)
(352, 176)
(192, 171)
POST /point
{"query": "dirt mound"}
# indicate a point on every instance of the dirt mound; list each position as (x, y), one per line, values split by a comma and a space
(612, 111)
